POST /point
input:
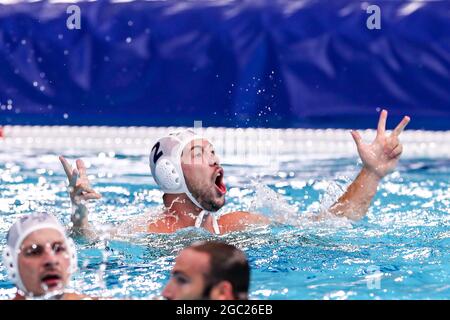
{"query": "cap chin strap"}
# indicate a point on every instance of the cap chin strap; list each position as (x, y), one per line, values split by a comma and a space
(199, 220)
(204, 212)
(185, 189)
(169, 176)
(190, 196)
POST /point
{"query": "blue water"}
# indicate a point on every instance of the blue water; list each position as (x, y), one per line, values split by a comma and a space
(400, 250)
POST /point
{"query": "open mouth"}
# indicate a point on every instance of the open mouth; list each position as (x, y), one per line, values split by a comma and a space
(51, 280)
(220, 185)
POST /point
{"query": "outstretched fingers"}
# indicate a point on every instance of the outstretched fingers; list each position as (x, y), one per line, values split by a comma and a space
(401, 126)
(382, 123)
(73, 178)
(357, 137)
(67, 167)
(81, 167)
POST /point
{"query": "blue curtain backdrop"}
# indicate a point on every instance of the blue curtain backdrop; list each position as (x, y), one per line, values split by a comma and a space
(227, 63)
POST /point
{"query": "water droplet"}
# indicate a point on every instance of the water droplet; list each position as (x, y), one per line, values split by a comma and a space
(9, 101)
(128, 40)
(130, 23)
(35, 84)
(65, 116)
(66, 52)
(60, 36)
(24, 42)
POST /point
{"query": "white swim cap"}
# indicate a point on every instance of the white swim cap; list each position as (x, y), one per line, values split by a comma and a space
(22, 229)
(165, 163)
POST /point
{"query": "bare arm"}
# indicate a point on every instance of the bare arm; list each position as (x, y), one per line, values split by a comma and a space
(80, 192)
(355, 202)
(379, 158)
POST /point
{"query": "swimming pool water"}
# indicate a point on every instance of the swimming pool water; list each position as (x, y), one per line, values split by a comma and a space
(400, 250)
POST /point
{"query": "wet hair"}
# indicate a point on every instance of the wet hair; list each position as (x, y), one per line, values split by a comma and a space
(227, 263)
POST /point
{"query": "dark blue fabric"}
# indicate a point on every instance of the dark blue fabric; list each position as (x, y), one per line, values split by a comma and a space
(235, 64)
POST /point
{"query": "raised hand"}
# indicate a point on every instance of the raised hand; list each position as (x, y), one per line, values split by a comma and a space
(80, 189)
(381, 156)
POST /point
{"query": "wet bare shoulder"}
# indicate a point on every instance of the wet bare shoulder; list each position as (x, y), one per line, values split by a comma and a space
(240, 220)
(162, 225)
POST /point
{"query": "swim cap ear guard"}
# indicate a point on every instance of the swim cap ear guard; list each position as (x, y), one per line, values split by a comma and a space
(165, 163)
(11, 268)
(18, 232)
(167, 175)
